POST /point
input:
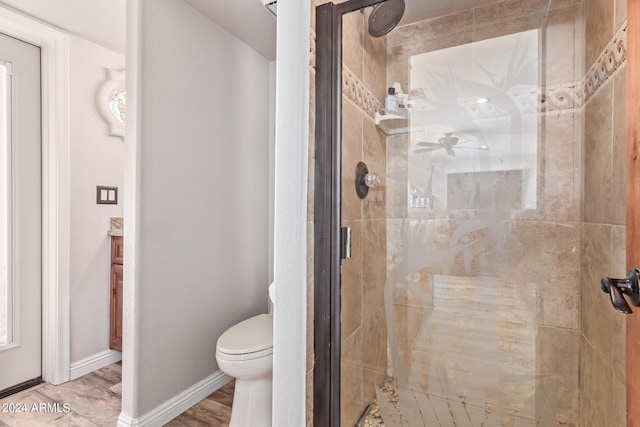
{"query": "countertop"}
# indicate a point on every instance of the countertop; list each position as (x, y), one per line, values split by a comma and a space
(117, 227)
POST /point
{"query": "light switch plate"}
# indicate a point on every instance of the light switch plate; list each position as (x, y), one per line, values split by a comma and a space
(106, 195)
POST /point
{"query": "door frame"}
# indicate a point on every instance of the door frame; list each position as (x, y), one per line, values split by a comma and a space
(633, 206)
(327, 210)
(54, 57)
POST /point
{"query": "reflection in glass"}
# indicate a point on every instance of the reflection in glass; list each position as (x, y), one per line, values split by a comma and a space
(470, 164)
(464, 301)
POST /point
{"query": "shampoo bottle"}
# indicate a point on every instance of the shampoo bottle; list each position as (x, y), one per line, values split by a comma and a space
(391, 101)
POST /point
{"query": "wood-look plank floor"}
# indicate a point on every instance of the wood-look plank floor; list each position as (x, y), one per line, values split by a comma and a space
(95, 400)
(214, 411)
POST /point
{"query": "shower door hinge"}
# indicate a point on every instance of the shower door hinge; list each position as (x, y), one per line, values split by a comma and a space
(345, 242)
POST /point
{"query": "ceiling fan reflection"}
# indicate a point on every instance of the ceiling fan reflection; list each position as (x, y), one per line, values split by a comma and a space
(448, 142)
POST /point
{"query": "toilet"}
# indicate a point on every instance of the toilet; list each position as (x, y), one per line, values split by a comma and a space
(245, 352)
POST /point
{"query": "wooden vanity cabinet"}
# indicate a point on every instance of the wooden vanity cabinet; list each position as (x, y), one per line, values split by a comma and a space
(115, 322)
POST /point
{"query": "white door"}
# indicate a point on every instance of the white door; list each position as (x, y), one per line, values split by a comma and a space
(20, 214)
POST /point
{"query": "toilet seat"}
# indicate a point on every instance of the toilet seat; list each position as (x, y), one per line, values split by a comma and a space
(249, 339)
(245, 356)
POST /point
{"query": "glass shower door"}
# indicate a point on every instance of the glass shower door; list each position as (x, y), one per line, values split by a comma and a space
(460, 300)
(363, 324)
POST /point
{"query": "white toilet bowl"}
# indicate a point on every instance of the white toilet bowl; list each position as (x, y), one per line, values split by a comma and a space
(245, 352)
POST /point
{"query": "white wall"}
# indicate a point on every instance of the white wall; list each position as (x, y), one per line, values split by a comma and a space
(197, 197)
(272, 161)
(96, 159)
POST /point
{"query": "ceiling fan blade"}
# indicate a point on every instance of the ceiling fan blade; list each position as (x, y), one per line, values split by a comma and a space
(428, 144)
(450, 151)
(425, 150)
(474, 148)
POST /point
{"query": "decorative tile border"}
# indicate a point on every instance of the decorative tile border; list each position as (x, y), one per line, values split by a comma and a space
(352, 87)
(561, 98)
(609, 64)
(556, 99)
(568, 97)
(355, 91)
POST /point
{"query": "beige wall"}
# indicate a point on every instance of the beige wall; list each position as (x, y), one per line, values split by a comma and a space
(197, 198)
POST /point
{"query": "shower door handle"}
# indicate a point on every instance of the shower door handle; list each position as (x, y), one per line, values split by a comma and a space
(345, 242)
(618, 288)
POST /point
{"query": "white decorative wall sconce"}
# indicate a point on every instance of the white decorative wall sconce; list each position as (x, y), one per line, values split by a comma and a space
(111, 99)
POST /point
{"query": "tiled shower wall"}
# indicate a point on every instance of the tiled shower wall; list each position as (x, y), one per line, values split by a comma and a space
(602, 330)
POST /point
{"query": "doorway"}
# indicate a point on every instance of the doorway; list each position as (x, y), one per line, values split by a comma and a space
(20, 215)
(53, 46)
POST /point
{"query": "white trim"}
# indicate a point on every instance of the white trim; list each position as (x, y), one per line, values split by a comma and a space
(93, 363)
(175, 406)
(54, 48)
(131, 357)
(290, 251)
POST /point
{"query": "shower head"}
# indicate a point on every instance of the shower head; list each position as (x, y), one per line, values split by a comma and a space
(385, 16)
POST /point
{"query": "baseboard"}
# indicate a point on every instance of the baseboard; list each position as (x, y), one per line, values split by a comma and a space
(173, 407)
(93, 363)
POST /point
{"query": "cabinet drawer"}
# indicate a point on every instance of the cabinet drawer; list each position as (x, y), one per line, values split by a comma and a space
(117, 250)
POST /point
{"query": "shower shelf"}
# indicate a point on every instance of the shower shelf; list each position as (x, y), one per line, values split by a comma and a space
(395, 122)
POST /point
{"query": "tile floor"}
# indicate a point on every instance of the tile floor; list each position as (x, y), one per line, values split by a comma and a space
(94, 400)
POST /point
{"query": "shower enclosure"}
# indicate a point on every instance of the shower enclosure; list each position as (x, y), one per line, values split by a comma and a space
(450, 294)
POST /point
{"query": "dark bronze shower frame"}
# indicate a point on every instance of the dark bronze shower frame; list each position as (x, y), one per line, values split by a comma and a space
(327, 209)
